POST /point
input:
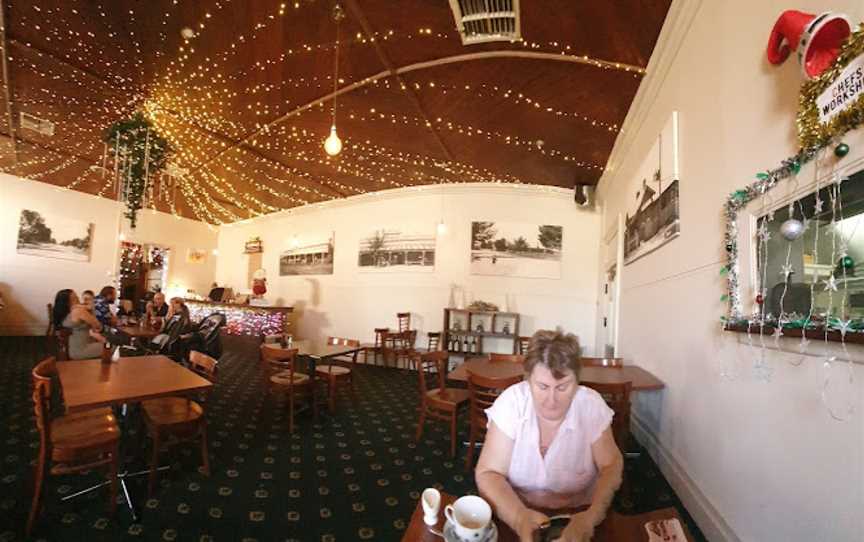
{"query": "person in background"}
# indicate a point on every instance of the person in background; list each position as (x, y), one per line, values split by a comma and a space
(88, 299)
(102, 306)
(157, 307)
(178, 307)
(549, 445)
(86, 340)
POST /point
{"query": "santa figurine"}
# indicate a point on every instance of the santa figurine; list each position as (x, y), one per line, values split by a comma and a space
(259, 283)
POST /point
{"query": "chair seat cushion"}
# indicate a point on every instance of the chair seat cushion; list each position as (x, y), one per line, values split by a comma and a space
(335, 370)
(171, 410)
(449, 395)
(88, 429)
(284, 378)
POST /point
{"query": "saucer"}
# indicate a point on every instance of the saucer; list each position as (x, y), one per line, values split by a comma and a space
(490, 535)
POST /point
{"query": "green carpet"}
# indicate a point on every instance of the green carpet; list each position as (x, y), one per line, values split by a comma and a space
(355, 475)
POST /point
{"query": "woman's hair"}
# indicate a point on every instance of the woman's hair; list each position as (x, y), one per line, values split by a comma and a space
(184, 310)
(62, 307)
(556, 351)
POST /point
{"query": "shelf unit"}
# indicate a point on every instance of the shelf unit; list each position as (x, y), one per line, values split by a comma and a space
(470, 318)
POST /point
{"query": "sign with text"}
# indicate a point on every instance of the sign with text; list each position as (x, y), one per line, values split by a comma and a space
(843, 92)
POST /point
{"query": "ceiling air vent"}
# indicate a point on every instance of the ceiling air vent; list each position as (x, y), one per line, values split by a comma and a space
(42, 126)
(479, 21)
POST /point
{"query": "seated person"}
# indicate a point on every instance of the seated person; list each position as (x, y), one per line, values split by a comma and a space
(88, 299)
(157, 307)
(86, 340)
(549, 445)
(102, 306)
(178, 307)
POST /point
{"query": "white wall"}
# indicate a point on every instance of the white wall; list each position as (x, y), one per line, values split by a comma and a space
(29, 282)
(350, 303)
(755, 461)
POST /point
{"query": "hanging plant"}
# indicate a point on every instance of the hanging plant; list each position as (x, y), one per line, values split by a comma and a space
(139, 153)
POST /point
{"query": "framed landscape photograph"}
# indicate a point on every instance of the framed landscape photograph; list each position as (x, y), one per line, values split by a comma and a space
(50, 236)
(516, 249)
(196, 255)
(397, 249)
(311, 257)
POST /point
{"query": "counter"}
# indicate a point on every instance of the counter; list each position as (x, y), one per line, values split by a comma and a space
(244, 319)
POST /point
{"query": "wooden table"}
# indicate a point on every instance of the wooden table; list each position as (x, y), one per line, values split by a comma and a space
(139, 332)
(641, 379)
(90, 383)
(615, 528)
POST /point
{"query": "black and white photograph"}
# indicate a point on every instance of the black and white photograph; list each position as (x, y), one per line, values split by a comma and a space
(310, 256)
(397, 249)
(655, 219)
(51, 236)
(516, 249)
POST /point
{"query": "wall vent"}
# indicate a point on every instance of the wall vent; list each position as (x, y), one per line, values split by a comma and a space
(42, 126)
(480, 21)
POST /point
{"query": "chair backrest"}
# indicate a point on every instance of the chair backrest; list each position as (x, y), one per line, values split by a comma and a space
(42, 373)
(506, 358)
(404, 319)
(434, 340)
(61, 338)
(379, 335)
(524, 343)
(483, 391)
(342, 341)
(203, 364)
(602, 362)
(431, 368)
(617, 396)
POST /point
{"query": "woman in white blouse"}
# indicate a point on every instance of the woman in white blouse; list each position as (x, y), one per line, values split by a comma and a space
(549, 445)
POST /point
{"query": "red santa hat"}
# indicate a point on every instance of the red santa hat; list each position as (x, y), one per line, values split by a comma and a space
(816, 38)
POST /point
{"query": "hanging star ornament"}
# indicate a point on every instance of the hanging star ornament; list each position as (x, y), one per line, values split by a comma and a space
(844, 326)
(817, 207)
(786, 270)
(778, 332)
(805, 343)
(764, 234)
(831, 284)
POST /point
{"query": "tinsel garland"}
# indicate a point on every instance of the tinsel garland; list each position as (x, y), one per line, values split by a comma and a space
(812, 132)
(813, 137)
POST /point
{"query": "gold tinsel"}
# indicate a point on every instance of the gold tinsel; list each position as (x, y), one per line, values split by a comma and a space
(811, 132)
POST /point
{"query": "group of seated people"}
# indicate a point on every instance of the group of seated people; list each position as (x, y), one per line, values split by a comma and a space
(92, 323)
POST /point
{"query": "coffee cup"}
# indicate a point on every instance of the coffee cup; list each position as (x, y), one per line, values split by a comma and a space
(470, 516)
(431, 500)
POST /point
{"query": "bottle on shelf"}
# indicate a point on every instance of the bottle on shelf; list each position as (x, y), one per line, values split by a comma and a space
(474, 345)
(465, 346)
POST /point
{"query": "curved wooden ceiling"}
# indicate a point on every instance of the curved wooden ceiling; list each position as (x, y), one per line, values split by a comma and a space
(247, 102)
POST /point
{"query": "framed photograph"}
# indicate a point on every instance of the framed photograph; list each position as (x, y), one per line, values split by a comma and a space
(196, 255)
(397, 249)
(254, 246)
(50, 236)
(516, 249)
(311, 257)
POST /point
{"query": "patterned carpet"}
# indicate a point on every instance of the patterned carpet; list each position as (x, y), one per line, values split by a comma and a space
(355, 475)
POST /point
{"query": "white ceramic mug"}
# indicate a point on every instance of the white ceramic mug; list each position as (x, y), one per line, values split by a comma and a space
(470, 516)
(431, 500)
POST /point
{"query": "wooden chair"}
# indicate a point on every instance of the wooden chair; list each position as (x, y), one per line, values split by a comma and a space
(72, 443)
(482, 392)
(617, 396)
(178, 417)
(61, 340)
(602, 362)
(50, 330)
(506, 358)
(378, 346)
(399, 346)
(524, 343)
(340, 371)
(404, 319)
(436, 400)
(286, 379)
(433, 339)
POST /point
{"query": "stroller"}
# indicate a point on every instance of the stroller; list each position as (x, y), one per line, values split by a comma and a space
(167, 343)
(205, 338)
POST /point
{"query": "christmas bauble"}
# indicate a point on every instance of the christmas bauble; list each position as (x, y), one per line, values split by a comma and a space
(847, 262)
(791, 229)
(760, 299)
(841, 150)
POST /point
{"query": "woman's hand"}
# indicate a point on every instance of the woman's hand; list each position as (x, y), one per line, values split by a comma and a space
(580, 529)
(527, 522)
(95, 335)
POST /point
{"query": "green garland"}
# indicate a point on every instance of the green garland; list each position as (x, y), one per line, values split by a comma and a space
(138, 141)
(813, 137)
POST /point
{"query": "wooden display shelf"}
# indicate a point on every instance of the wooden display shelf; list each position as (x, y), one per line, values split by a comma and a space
(511, 318)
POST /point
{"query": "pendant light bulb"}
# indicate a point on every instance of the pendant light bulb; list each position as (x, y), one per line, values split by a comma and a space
(442, 227)
(333, 145)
